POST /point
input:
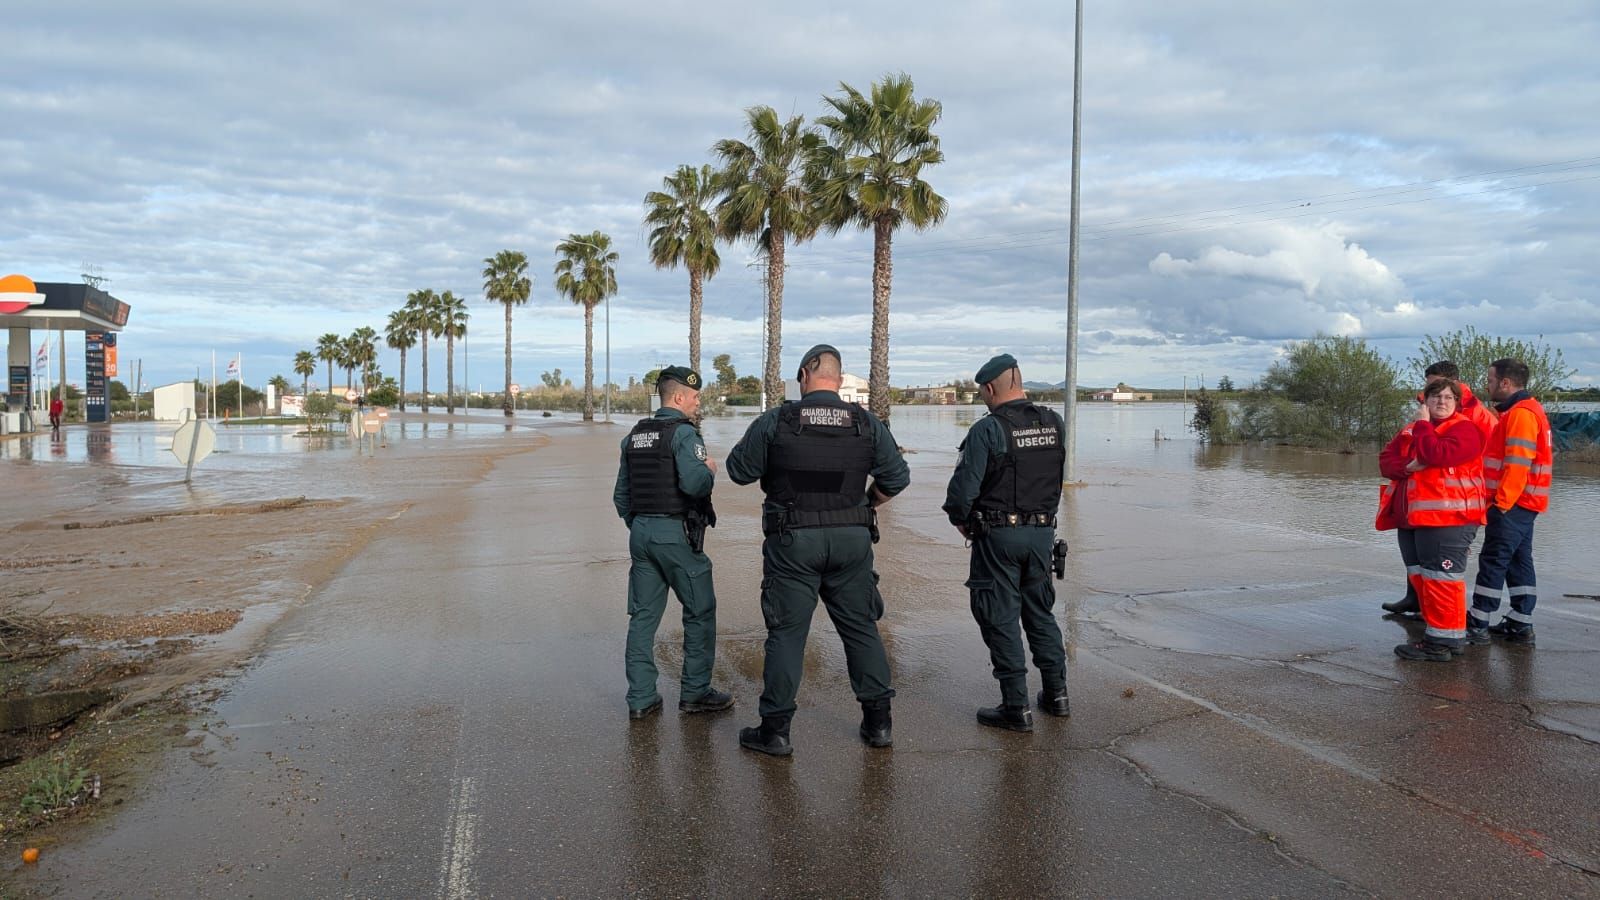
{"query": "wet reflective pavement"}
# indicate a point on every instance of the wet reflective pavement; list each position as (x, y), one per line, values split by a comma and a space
(445, 717)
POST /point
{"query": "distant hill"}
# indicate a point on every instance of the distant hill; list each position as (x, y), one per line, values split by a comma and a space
(1043, 386)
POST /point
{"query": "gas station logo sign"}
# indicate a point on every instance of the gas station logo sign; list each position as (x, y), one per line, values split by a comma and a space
(17, 293)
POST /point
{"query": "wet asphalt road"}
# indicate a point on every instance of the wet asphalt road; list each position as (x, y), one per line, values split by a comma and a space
(445, 719)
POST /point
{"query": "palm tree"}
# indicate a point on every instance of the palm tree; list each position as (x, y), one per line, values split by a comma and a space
(685, 233)
(349, 359)
(505, 280)
(766, 199)
(587, 274)
(364, 347)
(305, 365)
(328, 351)
(424, 308)
(401, 334)
(452, 323)
(871, 177)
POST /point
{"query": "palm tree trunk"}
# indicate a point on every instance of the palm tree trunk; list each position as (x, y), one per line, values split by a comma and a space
(696, 289)
(330, 378)
(505, 402)
(305, 387)
(424, 370)
(588, 362)
(402, 379)
(773, 381)
(450, 372)
(882, 275)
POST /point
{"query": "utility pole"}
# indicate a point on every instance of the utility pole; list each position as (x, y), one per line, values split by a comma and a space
(1069, 399)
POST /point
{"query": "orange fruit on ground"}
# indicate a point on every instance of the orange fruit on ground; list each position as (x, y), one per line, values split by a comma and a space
(30, 855)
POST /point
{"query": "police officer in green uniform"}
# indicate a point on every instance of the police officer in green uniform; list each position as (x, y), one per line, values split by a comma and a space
(663, 492)
(813, 458)
(1003, 498)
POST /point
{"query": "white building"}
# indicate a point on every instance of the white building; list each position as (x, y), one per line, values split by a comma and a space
(852, 389)
(172, 399)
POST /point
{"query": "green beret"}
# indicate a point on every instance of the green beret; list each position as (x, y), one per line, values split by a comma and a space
(996, 367)
(817, 351)
(682, 374)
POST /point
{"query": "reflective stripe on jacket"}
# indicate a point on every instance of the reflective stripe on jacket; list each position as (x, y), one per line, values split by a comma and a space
(1446, 495)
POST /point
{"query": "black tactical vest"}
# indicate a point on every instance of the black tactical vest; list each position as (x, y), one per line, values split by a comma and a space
(653, 470)
(817, 464)
(1026, 476)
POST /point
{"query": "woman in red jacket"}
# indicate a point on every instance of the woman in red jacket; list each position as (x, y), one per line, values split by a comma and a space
(1435, 499)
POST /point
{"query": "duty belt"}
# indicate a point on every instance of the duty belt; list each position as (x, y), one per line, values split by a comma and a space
(780, 521)
(1014, 520)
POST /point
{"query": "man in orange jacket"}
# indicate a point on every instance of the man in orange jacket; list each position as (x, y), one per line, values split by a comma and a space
(1517, 469)
(1483, 419)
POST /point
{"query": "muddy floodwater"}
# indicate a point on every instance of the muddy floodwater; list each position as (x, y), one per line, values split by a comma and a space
(439, 710)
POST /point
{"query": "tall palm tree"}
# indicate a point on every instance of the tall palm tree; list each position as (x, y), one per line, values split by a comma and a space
(350, 359)
(870, 176)
(766, 199)
(685, 232)
(452, 323)
(305, 365)
(364, 346)
(424, 309)
(506, 281)
(587, 274)
(328, 351)
(401, 334)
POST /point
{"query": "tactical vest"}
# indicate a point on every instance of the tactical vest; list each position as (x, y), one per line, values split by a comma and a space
(818, 462)
(1026, 476)
(653, 470)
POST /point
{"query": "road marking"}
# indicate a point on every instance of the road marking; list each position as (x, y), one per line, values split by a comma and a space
(457, 878)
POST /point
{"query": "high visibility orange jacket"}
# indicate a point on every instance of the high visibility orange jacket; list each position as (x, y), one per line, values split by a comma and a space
(1447, 495)
(1519, 463)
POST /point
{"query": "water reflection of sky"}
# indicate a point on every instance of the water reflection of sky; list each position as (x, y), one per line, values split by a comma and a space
(1327, 494)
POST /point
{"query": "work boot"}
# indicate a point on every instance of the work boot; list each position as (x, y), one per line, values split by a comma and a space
(712, 700)
(1011, 718)
(1478, 636)
(644, 712)
(1054, 701)
(1405, 606)
(877, 728)
(1425, 651)
(1512, 632)
(771, 737)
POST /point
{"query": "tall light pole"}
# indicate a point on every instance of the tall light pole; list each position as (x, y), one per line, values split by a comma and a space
(1069, 398)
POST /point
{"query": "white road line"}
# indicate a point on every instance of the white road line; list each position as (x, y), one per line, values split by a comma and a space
(457, 877)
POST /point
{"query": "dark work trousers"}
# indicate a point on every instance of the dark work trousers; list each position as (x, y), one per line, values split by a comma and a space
(1010, 579)
(661, 557)
(1436, 563)
(1506, 562)
(1408, 556)
(798, 566)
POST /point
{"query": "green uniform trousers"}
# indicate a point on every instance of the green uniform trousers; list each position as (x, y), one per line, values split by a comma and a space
(836, 564)
(1010, 579)
(661, 558)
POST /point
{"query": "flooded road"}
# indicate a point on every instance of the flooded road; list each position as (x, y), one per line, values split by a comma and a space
(445, 717)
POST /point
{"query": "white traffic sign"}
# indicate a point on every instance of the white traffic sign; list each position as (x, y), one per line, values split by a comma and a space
(351, 395)
(516, 389)
(193, 441)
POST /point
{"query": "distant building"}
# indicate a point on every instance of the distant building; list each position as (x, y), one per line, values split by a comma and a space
(1122, 394)
(852, 389)
(172, 399)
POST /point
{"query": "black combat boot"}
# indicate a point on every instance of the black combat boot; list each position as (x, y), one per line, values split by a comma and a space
(645, 712)
(1425, 651)
(1011, 718)
(1054, 701)
(877, 728)
(771, 737)
(1477, 635)
(1512, 632)
(712, 700)
(1405, 606)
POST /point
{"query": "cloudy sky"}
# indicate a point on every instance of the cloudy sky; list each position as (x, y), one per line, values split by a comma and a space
(252, 174)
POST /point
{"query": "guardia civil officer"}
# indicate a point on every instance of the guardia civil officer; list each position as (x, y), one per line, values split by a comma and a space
(1003, 498)
(663, 492)
(813, 458)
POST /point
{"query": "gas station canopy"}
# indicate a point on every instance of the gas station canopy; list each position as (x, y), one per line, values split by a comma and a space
(59, 306)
